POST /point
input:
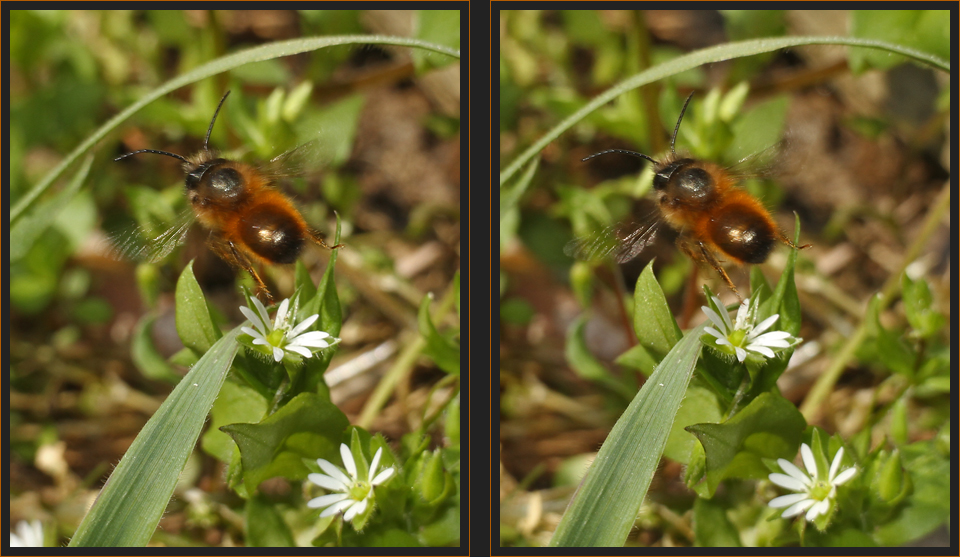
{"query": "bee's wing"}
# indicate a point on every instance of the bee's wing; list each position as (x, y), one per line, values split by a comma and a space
(620, 242)
(136, 245)
(779, 160)
(298, 161)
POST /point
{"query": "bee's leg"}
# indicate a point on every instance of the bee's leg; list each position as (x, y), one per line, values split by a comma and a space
(699, 253)
(789, 242)
(227, 251)
(318, 238)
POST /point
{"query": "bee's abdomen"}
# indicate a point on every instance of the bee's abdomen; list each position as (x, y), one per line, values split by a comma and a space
(271, 233)
(743, 233)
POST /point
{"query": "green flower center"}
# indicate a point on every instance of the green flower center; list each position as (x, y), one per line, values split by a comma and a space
(820, 490)
(359, 490)
(737, 337)
(276, 336)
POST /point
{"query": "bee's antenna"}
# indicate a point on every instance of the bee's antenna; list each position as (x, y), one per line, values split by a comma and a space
(622, 152)
(677, 129)
(210, 129)
(154, 151)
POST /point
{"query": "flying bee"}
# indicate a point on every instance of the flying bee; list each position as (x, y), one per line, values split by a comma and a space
(248, 219)
(701, 201)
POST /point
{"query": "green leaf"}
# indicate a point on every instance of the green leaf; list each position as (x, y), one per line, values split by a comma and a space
(434, 483)
(303, 281)
(699, 406)
(236, 403)
(308, 427)
(264, 525)
(326, 303)
(440, 27)
(711, 527)
(379, 536)
(885, 347)
(444, 530)
(890, 482)
(145, 355)
(637, 358)
(918, 305)
(616, 483)
(769, 427)
(924, 30)
(134, 498)
(927, 507)
(655, 326)
(451, 422)
(444, 351)
(194, 320)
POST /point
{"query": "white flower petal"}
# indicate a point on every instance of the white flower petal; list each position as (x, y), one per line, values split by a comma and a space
(741, 353)
(318, 344)
(383, 476)
(326, 500)
(788, 482)
(327, 482)
(261, 311)
(281, 313)
(818, 509)
(794, 472)
(303, 326)
(844, 477)
(835, 465)
(743, 315)
(808, 460)
(313, 339)
(251, 332)
(334, 472)
(724, 314)
(714, 318)
(713, 332)
(787, 500)
(262, 341)
(348, 462)
(761, 350)
(299, 350)
(356, 509)
(771, 342)
(775, 334)
(28, 534)
(797, 508)
(337, 507)
(375, 462)
(765, 324)
(254, 320)
(277, 354)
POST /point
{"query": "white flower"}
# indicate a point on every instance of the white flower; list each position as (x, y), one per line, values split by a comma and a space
(353, 494)
(816, 493)
(283, 336)
(737, 339)
(29, 534)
